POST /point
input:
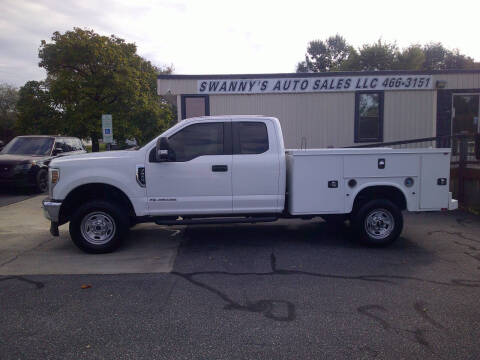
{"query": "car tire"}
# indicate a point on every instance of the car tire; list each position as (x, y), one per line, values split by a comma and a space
(378, 222)
(99, 226)
(41, 181)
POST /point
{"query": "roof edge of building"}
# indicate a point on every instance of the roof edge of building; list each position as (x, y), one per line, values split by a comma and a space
(304, 75)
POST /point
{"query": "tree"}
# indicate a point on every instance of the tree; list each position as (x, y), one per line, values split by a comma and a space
(411, 58)
(8, 112)
(335, 54)
(377, 56)
(36, 111)
(435, 54)
(328, 55)
(89, 75)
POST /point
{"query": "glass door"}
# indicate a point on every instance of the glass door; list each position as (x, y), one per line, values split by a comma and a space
(465, 114)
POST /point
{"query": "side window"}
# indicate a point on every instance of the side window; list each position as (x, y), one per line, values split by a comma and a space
(77, 145)
(197, 140)
(369, 117)
(60, 143)
(250, 137)
(70, 145)
(80, 145)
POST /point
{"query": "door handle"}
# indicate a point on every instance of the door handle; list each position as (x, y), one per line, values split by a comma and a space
(219, 168)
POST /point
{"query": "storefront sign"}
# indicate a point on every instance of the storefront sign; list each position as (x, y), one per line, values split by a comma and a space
(314, 84)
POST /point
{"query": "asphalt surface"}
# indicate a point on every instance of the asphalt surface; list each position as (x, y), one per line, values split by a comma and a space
(288, 290)
(11, 195)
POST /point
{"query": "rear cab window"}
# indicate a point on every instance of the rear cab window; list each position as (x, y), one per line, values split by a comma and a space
(249, 137)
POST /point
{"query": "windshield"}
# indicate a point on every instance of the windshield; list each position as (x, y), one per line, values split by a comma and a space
(29, 146)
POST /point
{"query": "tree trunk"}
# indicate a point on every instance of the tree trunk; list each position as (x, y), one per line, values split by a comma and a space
(95, 145)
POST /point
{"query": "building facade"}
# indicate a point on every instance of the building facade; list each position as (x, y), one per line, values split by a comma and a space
(319, 110)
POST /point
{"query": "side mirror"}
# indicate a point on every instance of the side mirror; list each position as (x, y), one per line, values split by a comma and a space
(57, 150)
(163, 151)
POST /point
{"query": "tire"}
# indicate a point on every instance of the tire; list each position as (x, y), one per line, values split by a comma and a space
(41, 181)
(99, 226)
(378, 222)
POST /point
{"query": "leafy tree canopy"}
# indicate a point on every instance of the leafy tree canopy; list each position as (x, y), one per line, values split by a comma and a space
(89, 75)
(8, 111)
(37, 113)
(335, 54)
(328, 55)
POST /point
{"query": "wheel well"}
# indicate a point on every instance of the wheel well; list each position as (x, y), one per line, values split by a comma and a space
(391, 193)
(94, 191)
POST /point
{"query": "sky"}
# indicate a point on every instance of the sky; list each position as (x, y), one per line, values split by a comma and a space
(230, 37)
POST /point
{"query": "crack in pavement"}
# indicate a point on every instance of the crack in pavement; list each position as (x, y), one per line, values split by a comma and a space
(456, 233)
(267, 306)
(419, 334)
(38, 284)
(26, 251)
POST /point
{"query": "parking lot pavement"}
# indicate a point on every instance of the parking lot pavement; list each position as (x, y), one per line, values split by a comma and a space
(289, 290)
(26, 247)
(10, 195)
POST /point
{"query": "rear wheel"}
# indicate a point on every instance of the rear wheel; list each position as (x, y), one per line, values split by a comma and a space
(99, 226)
(378, 222)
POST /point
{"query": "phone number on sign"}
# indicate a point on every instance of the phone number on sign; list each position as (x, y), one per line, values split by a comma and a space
(407, 82)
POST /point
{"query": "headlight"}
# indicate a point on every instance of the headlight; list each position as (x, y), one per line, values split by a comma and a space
(23, 167)
(53, 178)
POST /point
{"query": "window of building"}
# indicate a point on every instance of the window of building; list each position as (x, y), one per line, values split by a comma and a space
(197, 140)
(249, 137)
(368, 116)
(195, 105)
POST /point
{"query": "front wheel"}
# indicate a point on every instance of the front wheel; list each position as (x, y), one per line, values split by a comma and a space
(99, 227)
(41, 181)
(378, 222)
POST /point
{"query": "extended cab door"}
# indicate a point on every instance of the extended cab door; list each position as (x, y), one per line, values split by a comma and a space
(256, 167)
(199, 180)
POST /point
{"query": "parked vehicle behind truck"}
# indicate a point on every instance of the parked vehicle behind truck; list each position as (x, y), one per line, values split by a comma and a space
(24, 160)
(234, 169)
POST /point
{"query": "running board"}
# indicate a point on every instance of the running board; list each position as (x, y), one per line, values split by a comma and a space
(208, 221)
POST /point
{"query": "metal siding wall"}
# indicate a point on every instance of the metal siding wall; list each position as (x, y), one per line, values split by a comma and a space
(409, 115)
(323, 119)
(459, 81)
(176, 87)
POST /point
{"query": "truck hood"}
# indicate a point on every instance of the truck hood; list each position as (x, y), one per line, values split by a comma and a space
(105, 156)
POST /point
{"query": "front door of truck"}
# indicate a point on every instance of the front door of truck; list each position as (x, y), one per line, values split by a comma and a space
(199, 180)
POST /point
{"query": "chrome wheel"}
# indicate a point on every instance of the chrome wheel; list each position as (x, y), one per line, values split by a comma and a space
(379, 224)
(98, 228)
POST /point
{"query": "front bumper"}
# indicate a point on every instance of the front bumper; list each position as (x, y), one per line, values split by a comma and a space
(51, 209)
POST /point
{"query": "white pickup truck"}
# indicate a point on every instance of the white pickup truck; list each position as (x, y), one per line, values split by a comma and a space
(234, 169)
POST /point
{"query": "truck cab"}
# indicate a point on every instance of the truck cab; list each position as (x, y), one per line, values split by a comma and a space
(217, 166)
